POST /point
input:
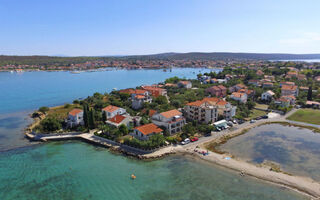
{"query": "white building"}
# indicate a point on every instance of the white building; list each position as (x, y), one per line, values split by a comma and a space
(112, 111)
(238, 96)
(185, 84)
(75, 118)
(267, 96)
(172, 120)
(202, 111)
(119, 120)
(144, 132)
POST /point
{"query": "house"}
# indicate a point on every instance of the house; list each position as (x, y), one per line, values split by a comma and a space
(286, 83)
(313, 104)
(260, 73)
(155, 91)
(207, 110)
(250, 93)
(75, 118)
(144, 132)
(302, 77)
(287, 90)
(282, 102)
(267, 96)
(237, 87)
(238, 96)
(139, 97)
(271, 78)
(111, 111)
(254, 82)
(267, 85)
(185, 84)
(201, 111)
(291, 99)
(172, 120)
(292, 74)
(139, 100)
(218, 91)
(118, 120)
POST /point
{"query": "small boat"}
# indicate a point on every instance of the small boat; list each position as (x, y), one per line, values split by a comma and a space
(75, 72)
(133, 176)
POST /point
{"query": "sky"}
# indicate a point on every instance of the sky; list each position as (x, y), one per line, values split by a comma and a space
(135, 27)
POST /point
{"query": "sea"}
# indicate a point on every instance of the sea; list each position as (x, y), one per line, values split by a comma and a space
(76, 170)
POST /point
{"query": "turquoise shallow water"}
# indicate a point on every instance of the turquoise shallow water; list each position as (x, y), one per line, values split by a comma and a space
(297, 150)
(75, 170)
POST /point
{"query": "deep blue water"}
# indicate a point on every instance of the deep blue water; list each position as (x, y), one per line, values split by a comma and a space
(30, 90)
(21, 93)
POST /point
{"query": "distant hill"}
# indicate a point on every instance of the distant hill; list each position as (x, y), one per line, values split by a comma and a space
(225, 55)
(63, 60)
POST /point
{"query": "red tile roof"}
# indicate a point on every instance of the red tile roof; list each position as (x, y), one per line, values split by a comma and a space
(75, 111)
(149, 128)
(117, 119)
(171, 113)
(110, 108)
(152, 112)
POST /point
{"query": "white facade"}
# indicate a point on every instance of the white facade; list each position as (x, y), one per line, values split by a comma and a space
(112, 113)
(267, 96)
(241, 97)
(75, 120)
(173, 124)
(204, 113)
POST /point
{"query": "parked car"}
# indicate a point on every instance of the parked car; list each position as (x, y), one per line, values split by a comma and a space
(241, 121)
(186, 141)
(207, 134)
(194, 139)
(252, 121)
(265, 117)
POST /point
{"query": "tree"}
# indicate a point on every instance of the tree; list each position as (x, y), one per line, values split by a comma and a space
(161, 100)
(43, 109)
(104, 117)
(91, 119)
(309, 93)
(50, 124)
(123, 129)
(86, 115)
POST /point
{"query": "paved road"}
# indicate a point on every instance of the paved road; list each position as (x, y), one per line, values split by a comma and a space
(238, 127)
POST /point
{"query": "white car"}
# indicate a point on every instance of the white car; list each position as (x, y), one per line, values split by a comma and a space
(186, 141)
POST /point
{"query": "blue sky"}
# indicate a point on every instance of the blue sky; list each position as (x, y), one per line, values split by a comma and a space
(123, 27)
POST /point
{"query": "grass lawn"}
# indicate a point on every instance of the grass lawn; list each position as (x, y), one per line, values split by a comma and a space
(61, 112)
(306, 115)
(262, 106)
(256, 113)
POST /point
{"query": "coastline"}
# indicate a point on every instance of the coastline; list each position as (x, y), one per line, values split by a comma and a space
(300, 184)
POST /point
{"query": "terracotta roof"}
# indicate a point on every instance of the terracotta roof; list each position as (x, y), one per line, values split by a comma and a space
(110, 108)
(117, 119)
(149, 128)
(171, 113)
(289, 87)
(237, 94)
(138, 96)
(184, 82)
(152, 112)
(75, 111)
(211, 100)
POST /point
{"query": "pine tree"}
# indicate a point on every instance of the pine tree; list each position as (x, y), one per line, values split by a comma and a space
(85, 115)
(104, 117)
(309, 97)
(91, 119)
